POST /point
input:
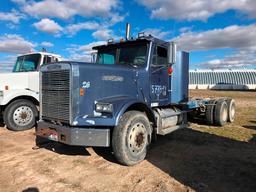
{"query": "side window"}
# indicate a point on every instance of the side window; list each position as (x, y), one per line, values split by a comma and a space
(107, 59)
(29, 65)
(48, 59)
(160, 56)
(44, 61)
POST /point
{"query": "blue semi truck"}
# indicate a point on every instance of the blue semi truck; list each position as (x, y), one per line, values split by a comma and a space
(135, 90)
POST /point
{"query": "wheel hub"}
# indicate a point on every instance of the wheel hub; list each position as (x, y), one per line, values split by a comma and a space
(23, 115)
(137, 138)
(224, 114)
(233, 111)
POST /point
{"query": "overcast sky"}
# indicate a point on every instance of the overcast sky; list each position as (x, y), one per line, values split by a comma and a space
(217, 33)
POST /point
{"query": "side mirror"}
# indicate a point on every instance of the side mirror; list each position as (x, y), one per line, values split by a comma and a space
(93, 57)
(172, 51)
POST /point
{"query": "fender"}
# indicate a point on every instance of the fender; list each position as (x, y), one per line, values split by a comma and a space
(136, 105)
(120, 105)
(9, 95)
(123, 103)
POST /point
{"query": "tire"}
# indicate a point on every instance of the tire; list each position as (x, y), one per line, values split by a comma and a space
(209, 113)
(131, 138)
(20, 115)
(221, 112)
(231, 110)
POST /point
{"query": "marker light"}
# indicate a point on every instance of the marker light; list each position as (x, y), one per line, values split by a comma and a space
(6, 87)
(141, 35)
(111, 41)
(170, 71)
(81, 92)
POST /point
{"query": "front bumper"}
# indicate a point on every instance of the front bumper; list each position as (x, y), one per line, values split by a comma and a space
(1, 106)
(1, 100)
(76, 136)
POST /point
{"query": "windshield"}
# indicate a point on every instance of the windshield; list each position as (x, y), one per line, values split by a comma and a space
(132, 54)
(27, 63)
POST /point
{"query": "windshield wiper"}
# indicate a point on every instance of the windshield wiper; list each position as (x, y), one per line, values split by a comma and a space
(130, 64)
(23, 70)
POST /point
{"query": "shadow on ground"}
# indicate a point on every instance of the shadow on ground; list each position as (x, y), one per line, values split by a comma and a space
(206, 162)
(253, 127)
(65, 149)
(202, 161)
(1, 122)
(106, 153)
(31, 189)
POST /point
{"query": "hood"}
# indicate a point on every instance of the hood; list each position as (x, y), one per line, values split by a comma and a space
(103, 83)
(20, 80)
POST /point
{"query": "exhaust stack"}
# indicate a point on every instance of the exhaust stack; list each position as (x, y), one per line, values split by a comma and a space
(128, 30)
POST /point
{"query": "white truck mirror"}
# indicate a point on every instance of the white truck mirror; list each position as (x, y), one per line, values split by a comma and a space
(93, 57)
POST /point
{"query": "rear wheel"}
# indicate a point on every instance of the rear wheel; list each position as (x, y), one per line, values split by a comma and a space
(231, 110)
(131, 138)
(209, 113)
(221, 112)
(20, 115)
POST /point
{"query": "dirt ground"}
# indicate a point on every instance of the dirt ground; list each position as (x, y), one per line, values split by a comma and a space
(200, 158)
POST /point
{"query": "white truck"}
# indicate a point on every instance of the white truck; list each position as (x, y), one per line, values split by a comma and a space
(19, 90)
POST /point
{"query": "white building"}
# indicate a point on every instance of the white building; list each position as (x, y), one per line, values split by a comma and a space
(223, 79)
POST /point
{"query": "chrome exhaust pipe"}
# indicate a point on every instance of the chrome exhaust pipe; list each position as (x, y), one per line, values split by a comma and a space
(128, 30)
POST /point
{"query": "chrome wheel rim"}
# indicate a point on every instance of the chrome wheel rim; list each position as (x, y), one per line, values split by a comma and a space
(137, 138)
(232, 112)
(23, 115)
(224, 114)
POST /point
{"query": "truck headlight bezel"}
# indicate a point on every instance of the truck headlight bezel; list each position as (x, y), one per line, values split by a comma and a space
(104, 107)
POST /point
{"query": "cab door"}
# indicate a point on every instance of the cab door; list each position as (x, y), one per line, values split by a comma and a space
(159, 76)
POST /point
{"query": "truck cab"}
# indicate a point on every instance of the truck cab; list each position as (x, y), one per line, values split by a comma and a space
(19, 90)
(136, 89)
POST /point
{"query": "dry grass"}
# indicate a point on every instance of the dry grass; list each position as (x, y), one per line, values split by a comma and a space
(244, 127)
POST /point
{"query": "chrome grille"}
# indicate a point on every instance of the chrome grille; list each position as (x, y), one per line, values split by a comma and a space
(56, 95)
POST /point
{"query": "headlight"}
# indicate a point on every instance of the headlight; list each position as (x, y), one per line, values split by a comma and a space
(1, 93)
(104, 107)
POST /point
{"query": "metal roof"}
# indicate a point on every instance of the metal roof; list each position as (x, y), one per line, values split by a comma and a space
(210, 77)
(41, 53)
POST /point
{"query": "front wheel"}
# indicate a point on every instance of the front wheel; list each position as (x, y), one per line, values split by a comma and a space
(131, 138)
(20, 115)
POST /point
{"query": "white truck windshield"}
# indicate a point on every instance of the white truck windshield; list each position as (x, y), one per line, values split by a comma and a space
(27, 63)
